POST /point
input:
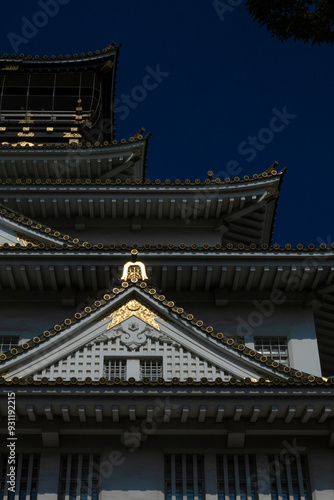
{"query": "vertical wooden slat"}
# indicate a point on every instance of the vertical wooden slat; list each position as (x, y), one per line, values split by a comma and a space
(236, 477)
(288, 474)
(278, 477)
(18, 477)
(195, 477)
(226, 477)
(184, 477)
(300, 478)
(29, 478)
(90, 477)
(78, 478)
(68, 477)
(173, 477)
(248, 478)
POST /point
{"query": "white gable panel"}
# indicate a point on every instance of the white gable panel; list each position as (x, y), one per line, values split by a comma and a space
(132, 331)
(7, 236)
(177, 361)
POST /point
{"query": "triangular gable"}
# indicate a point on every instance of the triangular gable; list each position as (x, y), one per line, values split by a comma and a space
(16, 228)
(76, 334)
(131, 343)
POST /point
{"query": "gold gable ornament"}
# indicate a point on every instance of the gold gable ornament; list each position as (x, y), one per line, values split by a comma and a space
(134, 271)
(132, 308)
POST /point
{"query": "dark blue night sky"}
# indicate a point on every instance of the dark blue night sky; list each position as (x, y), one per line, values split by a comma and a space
(222, 95)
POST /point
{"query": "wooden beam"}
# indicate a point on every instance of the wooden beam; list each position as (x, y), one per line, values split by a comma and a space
(99, 413)
(307, 414)
(82, 413)
(290, 414)
(255, 413)
(115, 413)
(185, 414)
(202, 414)
(31, 413)
(65, 413)
(48, 412)
(220, 413)
(272, 414)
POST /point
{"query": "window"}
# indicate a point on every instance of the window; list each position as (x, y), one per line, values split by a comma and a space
(115, 368)
(7, 342)
(150, 368)
(133, 367)
(237, 477)
(27, 472)
(273, 347)
(289, 477)
(184, 477)
(79, 478)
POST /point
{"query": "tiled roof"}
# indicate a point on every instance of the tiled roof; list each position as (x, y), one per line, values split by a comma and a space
(218, 249)
(87, 145)
(36, 228)
(198, 324)
(127, 182)
(110, 49)
(175, 382)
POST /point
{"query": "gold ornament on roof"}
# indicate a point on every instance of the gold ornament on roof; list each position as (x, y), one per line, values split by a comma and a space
(134, 271)
(10, 67)
(23, 143)
(26, 134)
(25, 239)
(133, 308)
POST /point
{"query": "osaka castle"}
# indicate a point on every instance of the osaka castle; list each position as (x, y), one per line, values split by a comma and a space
(155, 343)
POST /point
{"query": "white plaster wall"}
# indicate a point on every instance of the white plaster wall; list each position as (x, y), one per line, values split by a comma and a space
(7, 236)
(141, 477)
(321, 464)
(262, 319)
(48, 476)
(28, 319)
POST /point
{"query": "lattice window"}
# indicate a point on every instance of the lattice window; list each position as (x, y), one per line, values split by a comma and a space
(184, 477)
(151, 368)
(237, 477)
(273, 347)
(27, 472)
(289, 477)
(78, 479)
(115, 368)
(7, 342)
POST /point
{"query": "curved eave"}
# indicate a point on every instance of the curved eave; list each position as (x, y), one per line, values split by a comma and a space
(45, 60)
(86, 165)
(230, 252)
(301, 388)
(270, 234)
(33, 229)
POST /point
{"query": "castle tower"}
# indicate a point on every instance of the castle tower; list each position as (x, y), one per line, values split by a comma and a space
(155, 343)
